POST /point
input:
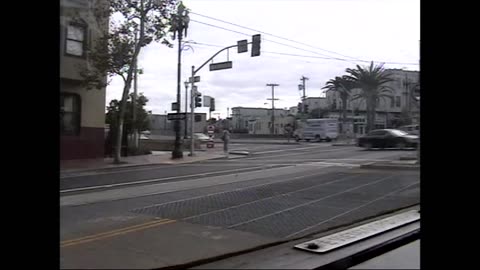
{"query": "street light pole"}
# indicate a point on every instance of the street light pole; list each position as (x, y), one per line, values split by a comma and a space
(192, 108)
(177, 151)
(186, 109)
(180, 24)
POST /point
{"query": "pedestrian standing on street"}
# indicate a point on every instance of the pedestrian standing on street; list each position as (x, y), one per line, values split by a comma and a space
(226, 140)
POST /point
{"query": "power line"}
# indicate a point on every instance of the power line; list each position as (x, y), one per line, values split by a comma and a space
(212, 25)
(287, 45)
(313, 56)
(305, 56)
(329, 57)
(308, 56)
(273, 35)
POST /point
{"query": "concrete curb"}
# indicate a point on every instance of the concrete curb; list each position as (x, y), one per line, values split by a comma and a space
(264, 142)
(110, 168)
(344, 144)
(408, 158)
(242, 153)
(121, 166)
(390, 166)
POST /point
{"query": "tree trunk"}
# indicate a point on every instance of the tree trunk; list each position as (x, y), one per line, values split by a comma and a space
(370, 115)
(344, 115)
(126, 88)
(118, 142)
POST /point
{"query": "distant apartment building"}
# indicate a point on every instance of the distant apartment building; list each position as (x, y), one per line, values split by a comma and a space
(404, 102)
(293, 110)
(259, 120)
(316, 103)
(82, 111)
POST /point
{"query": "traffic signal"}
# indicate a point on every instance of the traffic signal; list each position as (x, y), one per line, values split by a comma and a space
(256, 45)
(198, 99)
(306, 108)
(299, 107)
(212, 104)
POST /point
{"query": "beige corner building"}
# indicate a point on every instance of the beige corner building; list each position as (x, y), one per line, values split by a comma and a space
(82, 111)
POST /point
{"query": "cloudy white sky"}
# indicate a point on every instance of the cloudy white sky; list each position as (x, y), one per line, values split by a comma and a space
(378, 30)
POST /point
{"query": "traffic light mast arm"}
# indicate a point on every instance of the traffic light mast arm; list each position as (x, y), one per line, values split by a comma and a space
(206, 62)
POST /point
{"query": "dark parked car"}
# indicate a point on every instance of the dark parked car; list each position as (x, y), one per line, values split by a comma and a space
(388, 138)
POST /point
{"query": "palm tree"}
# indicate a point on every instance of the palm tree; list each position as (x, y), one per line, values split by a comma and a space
(342, 85)
(372, 81)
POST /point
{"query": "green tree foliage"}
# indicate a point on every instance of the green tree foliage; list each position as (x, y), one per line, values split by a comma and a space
(133, 25)
(372, 81)
(142, 122)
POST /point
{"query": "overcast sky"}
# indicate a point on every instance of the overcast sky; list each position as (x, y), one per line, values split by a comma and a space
(379, 30)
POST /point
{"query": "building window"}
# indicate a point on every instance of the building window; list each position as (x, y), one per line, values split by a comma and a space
(397, 101)
(76, 41)
(70, 114)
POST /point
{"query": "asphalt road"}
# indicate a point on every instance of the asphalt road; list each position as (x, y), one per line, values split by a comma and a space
(261, 155)
(278, 192)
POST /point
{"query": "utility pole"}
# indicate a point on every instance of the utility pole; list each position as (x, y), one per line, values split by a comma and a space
(303, 79)
(134, 102)
(165, 123)
(228, 111)
(273, 105)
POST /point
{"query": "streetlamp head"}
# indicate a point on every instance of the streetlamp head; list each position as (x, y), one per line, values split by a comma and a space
(186, 84)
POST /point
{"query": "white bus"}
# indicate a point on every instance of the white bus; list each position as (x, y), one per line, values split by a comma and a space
(322, 129)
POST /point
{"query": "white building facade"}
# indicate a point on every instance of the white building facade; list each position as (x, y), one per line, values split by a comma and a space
(405, 103)
(259, 120)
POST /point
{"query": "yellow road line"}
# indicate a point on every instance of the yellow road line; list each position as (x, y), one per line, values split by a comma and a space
(112, 233)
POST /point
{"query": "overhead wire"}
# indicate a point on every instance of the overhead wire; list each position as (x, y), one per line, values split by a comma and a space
(265, 33)
(328, 57)
(299, 55)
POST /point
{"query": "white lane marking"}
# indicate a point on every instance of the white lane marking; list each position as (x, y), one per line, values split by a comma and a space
(294, 154)
(156, 180)
(290, 149)
(353, 209)
(118, 170)
(310, 202)
(272, 197)
(308, 160)
(331, 164)
(223, 192)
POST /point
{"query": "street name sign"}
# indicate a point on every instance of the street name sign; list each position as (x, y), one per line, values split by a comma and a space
(221, 65)
(195, 79)
(176, 116)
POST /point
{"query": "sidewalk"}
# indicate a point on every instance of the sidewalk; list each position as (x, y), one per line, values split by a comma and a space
(405, 162)
(156, 158)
